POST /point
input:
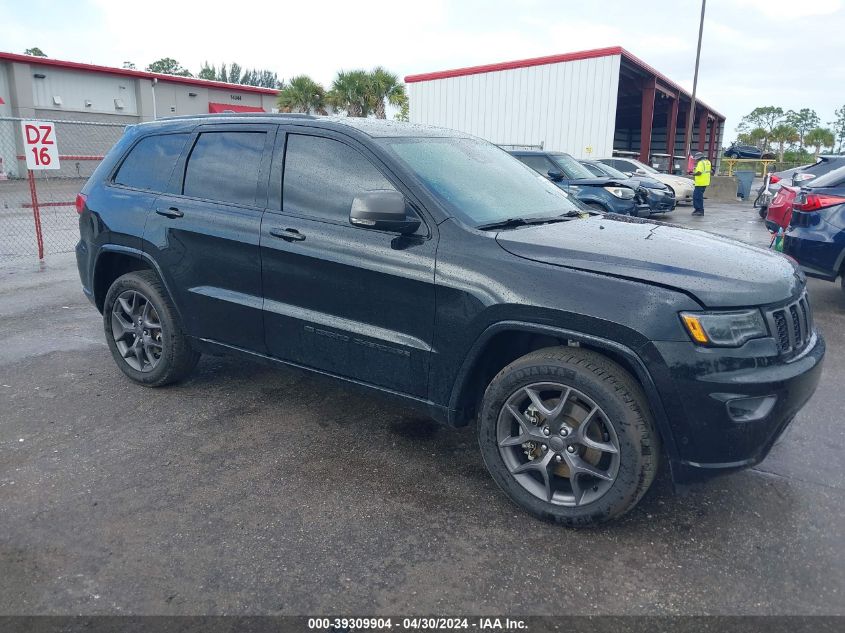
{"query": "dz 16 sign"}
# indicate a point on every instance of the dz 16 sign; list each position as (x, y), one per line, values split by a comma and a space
(40, 148)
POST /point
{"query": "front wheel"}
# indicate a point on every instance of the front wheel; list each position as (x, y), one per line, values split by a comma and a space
(567, 434)
(143, 331)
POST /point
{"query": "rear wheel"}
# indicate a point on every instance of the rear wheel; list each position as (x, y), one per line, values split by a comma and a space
(143, 331)
(567, 434)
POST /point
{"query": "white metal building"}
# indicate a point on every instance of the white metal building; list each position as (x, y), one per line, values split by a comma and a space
(589, 103)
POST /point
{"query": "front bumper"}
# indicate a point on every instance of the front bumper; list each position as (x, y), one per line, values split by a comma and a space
(703, 389)
(660, 201)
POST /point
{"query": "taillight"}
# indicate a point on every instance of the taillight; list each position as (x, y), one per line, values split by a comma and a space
(80, 202)
(802, 177)
(774, 179)
(816, 201)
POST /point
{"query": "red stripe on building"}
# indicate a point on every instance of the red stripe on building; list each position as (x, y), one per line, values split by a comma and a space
(230, 107)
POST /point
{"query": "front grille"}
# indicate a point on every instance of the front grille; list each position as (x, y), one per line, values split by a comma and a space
(792, 325)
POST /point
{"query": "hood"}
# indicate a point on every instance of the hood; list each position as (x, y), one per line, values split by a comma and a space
(677, 181)
(717, 271)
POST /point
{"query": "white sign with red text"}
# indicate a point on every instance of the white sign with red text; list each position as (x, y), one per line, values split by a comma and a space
(40, 147)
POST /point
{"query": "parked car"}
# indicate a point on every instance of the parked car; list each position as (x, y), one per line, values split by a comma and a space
(779, 211)
(738, 150)
(659, 197)
(610, 195)
(816, 235)
(822, 166)
(433, 267)
(777, 180)
(682, 187)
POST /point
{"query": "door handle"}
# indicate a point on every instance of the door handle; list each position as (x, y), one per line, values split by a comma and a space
(170, 212)
(289, 235)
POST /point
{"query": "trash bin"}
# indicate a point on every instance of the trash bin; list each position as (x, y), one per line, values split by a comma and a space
(744, 178)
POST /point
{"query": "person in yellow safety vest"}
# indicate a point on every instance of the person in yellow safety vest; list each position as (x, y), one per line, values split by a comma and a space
(702, 180)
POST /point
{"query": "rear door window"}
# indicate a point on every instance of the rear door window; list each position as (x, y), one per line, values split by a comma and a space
(323, 177)
(151, 161)
(225, 167)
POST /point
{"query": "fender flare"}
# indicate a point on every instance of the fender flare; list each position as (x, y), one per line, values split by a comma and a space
(641, 371)
(138, 254)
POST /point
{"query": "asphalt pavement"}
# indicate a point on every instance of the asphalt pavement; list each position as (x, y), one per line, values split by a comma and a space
(252, 490)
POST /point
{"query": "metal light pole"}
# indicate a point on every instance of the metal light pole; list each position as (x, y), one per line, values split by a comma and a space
(691, 113)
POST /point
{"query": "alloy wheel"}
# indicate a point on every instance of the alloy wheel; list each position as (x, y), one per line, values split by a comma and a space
(558, 444)
(137, 331)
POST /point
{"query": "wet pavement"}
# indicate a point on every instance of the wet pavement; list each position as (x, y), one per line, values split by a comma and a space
(250, 490)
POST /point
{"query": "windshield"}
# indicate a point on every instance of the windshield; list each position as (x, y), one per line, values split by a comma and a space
(571, 167)
(479, 182)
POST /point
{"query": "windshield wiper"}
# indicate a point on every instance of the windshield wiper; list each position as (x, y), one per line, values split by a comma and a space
(514, 222)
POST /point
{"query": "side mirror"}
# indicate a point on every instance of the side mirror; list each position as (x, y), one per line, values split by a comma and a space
(555, 176)
(640, 171)
(382, 210)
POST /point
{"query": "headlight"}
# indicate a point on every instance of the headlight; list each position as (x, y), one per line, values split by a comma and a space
(621, 192)
(724, 329)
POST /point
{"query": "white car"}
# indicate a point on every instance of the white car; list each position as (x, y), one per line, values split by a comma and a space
(683, 187)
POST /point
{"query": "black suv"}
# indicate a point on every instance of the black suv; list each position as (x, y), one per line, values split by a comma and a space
(433, 266)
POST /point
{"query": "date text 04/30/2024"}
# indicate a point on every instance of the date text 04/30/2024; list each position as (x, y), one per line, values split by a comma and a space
(417, 623)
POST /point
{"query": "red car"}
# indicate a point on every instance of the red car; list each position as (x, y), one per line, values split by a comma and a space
(779, 213)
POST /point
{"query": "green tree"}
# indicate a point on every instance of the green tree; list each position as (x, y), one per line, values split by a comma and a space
(207, 72)
(803, 121)
(820, 137)
(783, 134)
(756, 136)
(302, 94)
(168, 66)
(352, 91)
(223, 75)
(766, 117)
(404, 110)
(839, 128)
(35, 51)
(235, 73)
(385, 88)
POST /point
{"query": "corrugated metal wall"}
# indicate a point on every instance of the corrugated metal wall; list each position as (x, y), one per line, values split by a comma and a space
(568, 106)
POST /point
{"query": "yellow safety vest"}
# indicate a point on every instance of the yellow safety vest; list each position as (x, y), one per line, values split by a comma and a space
(704, 167)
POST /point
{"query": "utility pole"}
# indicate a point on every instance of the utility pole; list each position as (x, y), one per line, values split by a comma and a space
(691, 113)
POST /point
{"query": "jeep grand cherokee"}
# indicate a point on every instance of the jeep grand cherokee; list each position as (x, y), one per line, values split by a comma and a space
(432, 266)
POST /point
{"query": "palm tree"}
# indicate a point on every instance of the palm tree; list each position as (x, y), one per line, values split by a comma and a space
(302, 94)
(352, 91)
(385, 86)
(783, 134)
(819, 137)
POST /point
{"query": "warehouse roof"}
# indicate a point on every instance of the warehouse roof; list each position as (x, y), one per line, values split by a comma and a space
(627, 57)
(126, 72)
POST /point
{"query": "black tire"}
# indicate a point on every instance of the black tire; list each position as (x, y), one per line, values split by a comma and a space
(763, 212)
(624, 408)
(175, 358)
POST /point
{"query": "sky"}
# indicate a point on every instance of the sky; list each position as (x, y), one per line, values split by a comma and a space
(785, 53)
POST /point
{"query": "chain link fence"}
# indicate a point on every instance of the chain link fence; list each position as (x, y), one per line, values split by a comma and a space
(37, 212)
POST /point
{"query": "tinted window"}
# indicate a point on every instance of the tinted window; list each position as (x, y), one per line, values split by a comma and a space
(150, 163)
(570, 167)
(595, 171)
(224, 166)
(323, 176)
(538, 163)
